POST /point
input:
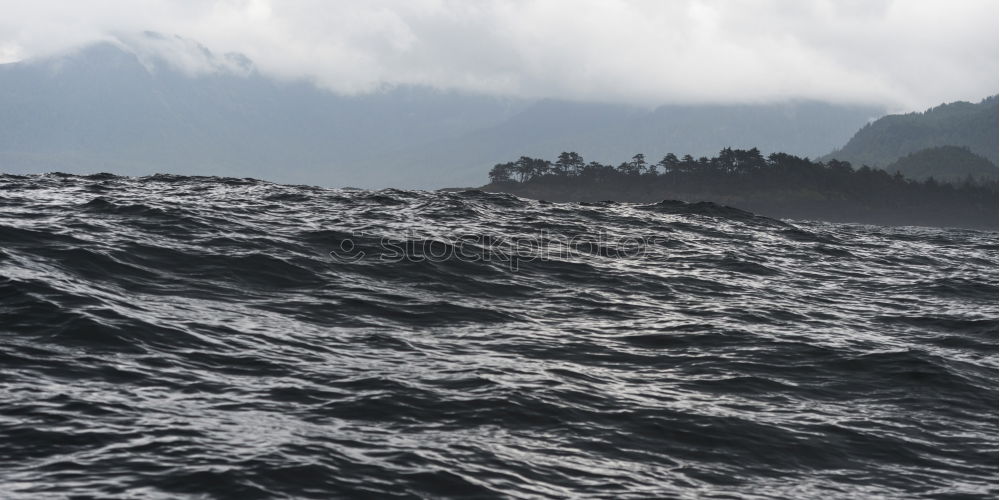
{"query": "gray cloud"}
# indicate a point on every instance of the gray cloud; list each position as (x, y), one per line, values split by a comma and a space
(905, 54)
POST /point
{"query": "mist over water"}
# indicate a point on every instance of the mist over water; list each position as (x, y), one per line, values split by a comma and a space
(167, 335)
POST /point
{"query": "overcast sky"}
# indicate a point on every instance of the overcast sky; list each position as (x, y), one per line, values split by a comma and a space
(904, 54)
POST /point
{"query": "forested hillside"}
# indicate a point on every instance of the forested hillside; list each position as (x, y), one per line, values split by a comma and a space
(947, 164)
(973, 126)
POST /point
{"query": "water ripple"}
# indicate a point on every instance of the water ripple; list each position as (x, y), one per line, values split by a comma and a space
(169, 335)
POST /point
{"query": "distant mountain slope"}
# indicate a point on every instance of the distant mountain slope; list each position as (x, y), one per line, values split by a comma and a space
(108, 108)
(945, 163)
(884, 141)
(126, 108)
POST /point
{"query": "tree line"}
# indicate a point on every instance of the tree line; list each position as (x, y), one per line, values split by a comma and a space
(570, 163)
(730, 162)
(779, 184)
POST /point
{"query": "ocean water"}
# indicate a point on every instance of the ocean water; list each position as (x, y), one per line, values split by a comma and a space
(167, 336)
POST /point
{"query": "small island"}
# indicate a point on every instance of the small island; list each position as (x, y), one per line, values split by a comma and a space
(779, 185)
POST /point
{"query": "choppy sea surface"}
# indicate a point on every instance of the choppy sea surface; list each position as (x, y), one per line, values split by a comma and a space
(166, 336)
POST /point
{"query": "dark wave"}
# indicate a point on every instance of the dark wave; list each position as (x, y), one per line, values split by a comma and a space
(169, 335)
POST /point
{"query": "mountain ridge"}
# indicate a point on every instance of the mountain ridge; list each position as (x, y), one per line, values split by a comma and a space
(127, 108)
